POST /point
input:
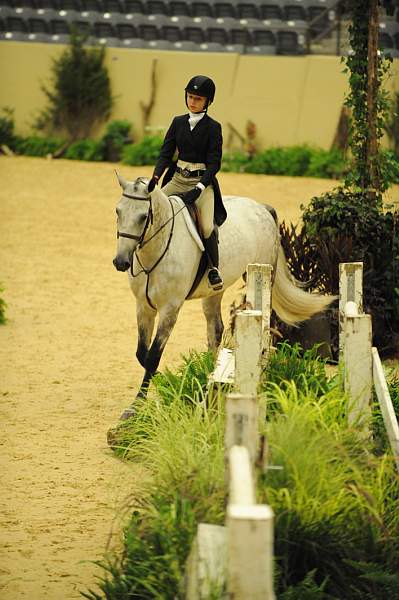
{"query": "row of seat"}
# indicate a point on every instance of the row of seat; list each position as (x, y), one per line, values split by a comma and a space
(184, 46)
(288, 38)
(288, 10)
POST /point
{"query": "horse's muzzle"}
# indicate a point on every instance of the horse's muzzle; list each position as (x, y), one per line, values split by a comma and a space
(121, 264)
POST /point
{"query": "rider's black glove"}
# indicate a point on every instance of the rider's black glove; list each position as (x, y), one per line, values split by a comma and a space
(152, 183)
(191, 196)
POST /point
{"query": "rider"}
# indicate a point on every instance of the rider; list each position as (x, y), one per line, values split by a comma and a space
(198, 139)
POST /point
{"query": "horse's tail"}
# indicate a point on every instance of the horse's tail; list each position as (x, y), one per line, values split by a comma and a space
(291, 303)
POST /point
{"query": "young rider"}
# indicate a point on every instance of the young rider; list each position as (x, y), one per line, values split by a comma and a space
(198, 140)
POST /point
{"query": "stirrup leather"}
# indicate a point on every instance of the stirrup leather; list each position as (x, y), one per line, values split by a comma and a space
(215, 280)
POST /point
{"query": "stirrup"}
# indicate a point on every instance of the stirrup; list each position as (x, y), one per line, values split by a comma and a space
(215, 280)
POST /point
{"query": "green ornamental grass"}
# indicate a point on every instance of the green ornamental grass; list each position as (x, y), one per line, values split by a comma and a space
(334, 498)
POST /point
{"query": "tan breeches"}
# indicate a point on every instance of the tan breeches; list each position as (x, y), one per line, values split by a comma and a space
(205, 202)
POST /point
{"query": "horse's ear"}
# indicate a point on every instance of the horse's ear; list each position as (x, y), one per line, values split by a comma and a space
(122, 181)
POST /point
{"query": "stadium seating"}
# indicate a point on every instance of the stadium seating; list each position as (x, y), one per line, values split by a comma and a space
(243, 26)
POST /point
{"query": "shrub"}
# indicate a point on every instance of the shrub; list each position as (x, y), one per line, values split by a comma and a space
(117, 135)
(3, 306)
(142, 153)
(235, 162)
(344, 225)
(37, 146)
(329, 164)
(85, 150)
(301, 160)
(7, 125)
(80, 94)
(293, 161)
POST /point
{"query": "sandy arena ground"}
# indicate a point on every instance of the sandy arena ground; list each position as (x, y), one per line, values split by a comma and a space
(67, 364)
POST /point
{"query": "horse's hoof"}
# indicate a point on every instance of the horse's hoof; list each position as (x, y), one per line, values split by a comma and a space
(127, 413)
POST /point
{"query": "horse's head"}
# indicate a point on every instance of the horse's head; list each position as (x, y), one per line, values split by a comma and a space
(133, 214)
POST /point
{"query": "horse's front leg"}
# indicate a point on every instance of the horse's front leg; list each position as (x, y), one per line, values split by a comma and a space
(145, 326)
(167, 320)
(213, 314)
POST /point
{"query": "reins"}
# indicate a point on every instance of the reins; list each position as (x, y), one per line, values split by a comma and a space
(142, 242)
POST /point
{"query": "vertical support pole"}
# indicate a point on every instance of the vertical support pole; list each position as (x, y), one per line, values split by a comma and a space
(248, 348)
(250, 552)
(357, 363)
(259, 298)
(242, 415)
(350, 290)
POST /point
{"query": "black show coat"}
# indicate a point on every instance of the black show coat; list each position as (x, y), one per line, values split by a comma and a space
(203, 144)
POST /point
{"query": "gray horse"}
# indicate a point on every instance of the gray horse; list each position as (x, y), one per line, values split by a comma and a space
(159, 248)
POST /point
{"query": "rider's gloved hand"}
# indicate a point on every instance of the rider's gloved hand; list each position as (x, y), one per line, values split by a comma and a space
(191, 196)
(152, 183)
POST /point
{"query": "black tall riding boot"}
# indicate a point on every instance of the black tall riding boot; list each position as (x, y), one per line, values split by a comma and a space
(215, 280)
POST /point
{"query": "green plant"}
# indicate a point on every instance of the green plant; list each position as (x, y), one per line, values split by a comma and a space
(290, 363)
(85, 150)
(7, 125)
(366, 123)
(392, 125)
(329, 164)
(157, 542)
(117, 136)
(3, 307)
(341, 226)
(335, 503)
(293, 160)
(142, 153)
(37, 146)
(80, 95)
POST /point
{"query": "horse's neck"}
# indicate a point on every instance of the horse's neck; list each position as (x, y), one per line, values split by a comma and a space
(160, 224)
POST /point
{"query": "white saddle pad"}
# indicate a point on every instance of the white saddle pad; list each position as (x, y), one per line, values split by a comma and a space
(178, 202)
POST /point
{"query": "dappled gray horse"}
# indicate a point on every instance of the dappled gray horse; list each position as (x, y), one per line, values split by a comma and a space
(160, 249)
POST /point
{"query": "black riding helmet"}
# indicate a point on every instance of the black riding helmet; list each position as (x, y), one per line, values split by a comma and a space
(200, 85)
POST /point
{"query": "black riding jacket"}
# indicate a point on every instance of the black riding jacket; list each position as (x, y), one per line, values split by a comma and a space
(203, 144)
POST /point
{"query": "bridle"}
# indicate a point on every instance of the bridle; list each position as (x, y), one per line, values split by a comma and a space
(142, 242)
(139, 238)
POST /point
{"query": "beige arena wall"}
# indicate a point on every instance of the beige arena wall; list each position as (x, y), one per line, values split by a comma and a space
(291, 100)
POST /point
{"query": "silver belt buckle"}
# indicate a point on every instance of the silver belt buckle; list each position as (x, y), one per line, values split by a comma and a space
(186, 173)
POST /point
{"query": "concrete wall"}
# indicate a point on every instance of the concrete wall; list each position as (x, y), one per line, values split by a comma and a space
(291, 100)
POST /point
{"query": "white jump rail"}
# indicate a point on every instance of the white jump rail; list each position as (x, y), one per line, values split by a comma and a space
(385, 402)
(240, 555)
(249, 534)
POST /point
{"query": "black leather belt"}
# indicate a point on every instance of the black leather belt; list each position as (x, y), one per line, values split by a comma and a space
(187, 173)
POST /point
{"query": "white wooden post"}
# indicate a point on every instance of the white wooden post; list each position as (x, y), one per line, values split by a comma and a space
(249, 535)
(241, 480)
(388, 412)
(250, 552)
(206, 564)
(259, 298)
(350, 289)
(242, 423)
(248, 349)
(357, 363)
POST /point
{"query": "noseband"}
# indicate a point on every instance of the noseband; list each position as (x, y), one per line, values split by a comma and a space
(139, 238)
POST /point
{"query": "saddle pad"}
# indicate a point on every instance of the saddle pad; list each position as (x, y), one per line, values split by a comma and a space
(177, 201)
